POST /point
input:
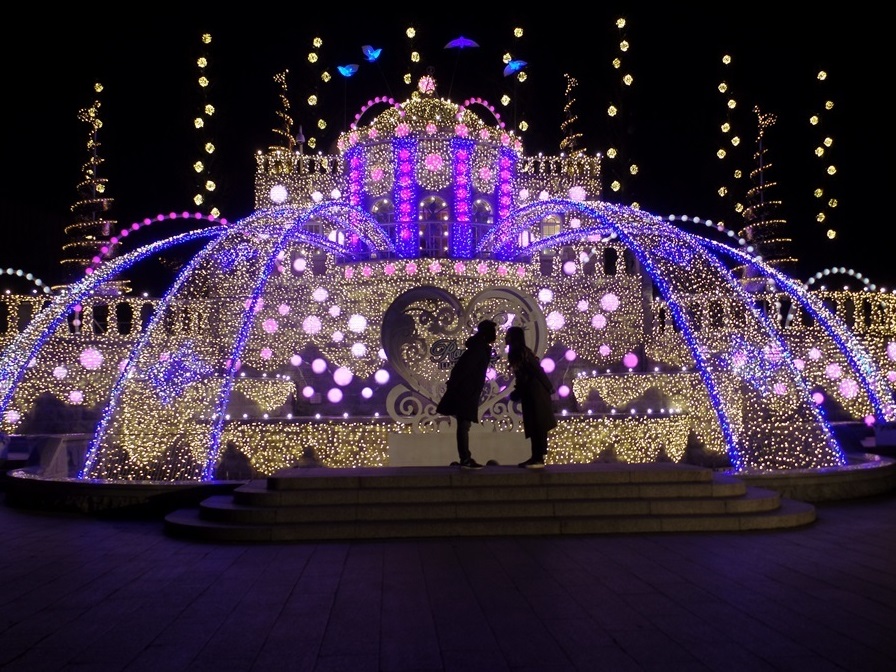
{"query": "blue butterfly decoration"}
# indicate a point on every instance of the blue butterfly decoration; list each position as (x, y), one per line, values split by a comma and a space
(347, 70)
(514, 66)
(370, 53)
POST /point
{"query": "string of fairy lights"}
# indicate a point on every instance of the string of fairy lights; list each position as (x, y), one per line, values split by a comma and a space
(203, 125)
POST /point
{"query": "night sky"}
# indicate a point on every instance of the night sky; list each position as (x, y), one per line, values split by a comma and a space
(670, 124)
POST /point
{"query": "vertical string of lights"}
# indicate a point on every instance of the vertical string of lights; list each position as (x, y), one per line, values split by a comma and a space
(621, 168)
(515, 68)
(91, 235)
(827, 202)
(313, 99)
(411, 76)
(730, 152)
(205, 185)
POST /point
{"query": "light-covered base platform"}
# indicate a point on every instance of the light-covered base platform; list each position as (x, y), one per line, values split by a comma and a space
(440, 448)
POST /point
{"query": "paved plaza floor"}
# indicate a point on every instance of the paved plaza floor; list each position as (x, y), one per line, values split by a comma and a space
(99, 594)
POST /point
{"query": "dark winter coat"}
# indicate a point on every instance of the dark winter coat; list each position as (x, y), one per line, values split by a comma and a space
(533, 389)
(465, 382)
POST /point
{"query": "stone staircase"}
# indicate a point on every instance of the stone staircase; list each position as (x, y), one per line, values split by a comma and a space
(320, 503)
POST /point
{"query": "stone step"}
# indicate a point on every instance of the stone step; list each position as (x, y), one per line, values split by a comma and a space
(399, 502)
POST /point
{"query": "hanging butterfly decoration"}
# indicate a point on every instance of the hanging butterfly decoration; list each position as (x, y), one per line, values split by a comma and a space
(461, 43)
(370, 53)
(347, 70)
(514, 67)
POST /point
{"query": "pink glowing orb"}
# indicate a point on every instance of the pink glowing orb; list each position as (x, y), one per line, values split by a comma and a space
(76, 397)
(307, 391)
(780, 389)
(319, 365)
(334, 311)
(870, 420)
(569, 267)
(296, 360)
(818, 398)
(891, 376)
(582, 305)
(739, 359)
(122, 365)
(337, 336)
(577, 194)
(569, 355)
(381, 376)
(555, 320)
(311, 324)
(485, 174)
(266, 353)
(343, 376)
(548, 365)
(833, 371)
(60, 372)
(402, 130)
(411, 269)
(389, 269)
(435, 268)
(334, 396)
(11, 416)
(283, 309)
(431, 128)
(563, 391)
(320, 294)
(299, 265)
(502, 271)
(367, 271)
(814, 354)
(774, 353)
(799, 364)
(269, 325)
(848, 388)
(891, 350)
(461, 130)
(604, 350)
(630, 360)
(609, 302)
(598, 321)
(349, 272)
(366, 393)
(460, 267)
(91, 359)
(521, 271)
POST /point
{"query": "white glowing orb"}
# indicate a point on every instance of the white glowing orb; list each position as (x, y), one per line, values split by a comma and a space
(555, 320)
(543, 196)
(357, 323)
(337, 337)
(319, 365)
(833, 371)
(311, 324)
(545, 295)
(307, 391)
(598, 321)
(91, 359)
(316, 196)
(343, 376)
(335, 311)
(630, 360)
(60, 372)
(891, 350)
(283, 309)
(548, 365)
(334, 396)
(12, 416)
(582, 305)
(358, 350)
(300, 264)
(335, 194)
(524, 194)
(366, 393)
(569, 267)
(609, 302)
(381, 376)
(296, 360)
(278, 194)
(320, 294)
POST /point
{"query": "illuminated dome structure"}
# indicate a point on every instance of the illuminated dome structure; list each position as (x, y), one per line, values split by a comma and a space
(329, 318)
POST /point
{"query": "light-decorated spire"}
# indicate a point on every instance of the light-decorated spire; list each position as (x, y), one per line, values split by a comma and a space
(91, 234)
(205, 186)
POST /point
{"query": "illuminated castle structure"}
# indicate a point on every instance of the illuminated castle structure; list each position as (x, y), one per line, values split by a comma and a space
(328, 319)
